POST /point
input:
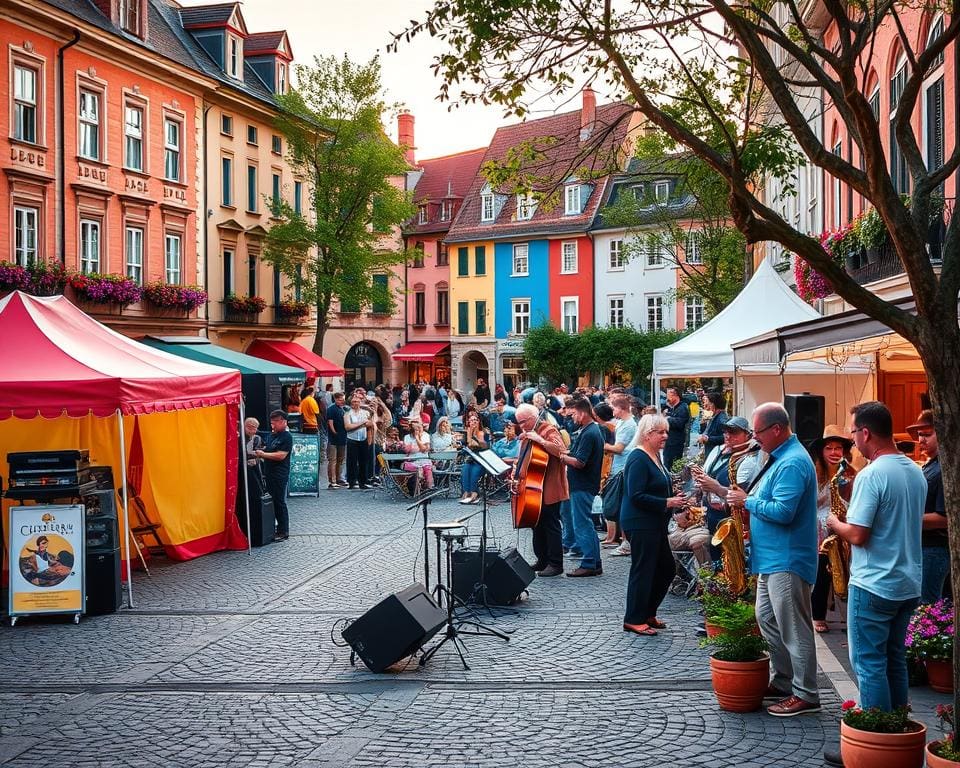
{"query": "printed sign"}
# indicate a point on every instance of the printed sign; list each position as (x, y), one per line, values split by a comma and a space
(304, 465)
(46, 546)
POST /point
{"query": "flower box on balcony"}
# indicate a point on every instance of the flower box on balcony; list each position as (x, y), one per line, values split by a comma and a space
(39, 278)
(291, 312)
(175, 298)
(109, 290)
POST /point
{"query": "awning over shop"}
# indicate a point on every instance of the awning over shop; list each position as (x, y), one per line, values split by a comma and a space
(202, 350)
(296, 355)
(421, 350)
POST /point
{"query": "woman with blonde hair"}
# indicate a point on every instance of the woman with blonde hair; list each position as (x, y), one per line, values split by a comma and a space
(444, 439)
(417, 447)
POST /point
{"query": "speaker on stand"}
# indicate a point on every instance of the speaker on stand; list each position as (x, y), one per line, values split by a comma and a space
(806, 413)
(506, 577)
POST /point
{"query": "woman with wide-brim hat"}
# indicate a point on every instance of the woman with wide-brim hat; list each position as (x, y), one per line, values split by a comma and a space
(827, 452)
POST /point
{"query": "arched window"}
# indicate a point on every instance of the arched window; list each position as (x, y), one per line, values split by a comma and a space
(898, 163)
(933, 105)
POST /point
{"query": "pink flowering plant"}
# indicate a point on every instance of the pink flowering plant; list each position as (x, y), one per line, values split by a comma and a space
(107, 289)
(877, 720)
(930, 632)
(183, 297)
(251, 305)
(946, 747)
(39, 278)
(291, 308)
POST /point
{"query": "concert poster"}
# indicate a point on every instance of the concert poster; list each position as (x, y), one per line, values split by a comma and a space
(46, 548)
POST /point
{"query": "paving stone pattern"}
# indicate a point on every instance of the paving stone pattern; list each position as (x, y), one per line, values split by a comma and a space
(236, 659)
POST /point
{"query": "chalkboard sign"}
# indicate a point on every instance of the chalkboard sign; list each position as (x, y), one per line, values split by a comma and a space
(304, 465)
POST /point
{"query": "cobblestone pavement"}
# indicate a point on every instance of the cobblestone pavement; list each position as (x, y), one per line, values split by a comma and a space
(236, 659)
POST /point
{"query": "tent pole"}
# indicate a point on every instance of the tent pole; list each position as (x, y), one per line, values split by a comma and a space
(246, 487)
(126, 515)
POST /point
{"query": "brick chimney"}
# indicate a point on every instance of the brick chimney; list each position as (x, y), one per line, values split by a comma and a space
(405, 136)
(588, 113)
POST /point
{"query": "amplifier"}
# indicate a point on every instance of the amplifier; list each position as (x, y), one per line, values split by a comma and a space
(102, 533)
(44, 475)
(507, 575)
(104, 588)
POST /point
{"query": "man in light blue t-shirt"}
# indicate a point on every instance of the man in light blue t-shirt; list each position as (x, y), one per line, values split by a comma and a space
(883, 526)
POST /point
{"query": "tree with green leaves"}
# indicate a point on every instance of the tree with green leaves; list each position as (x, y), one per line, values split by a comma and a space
(738, 62)
(353, 175)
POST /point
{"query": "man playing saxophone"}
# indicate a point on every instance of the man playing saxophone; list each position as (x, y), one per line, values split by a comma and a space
(783, 535)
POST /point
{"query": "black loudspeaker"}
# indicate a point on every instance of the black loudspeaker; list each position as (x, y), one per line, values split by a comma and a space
(507, 575)
(262, 521)
(395, 627)
(103, 534)
(101, 503)
(104, 590)
(104, 477)
(806, 416)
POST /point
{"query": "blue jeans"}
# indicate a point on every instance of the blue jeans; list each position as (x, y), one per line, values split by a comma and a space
(566, 524)
(936, 566)
(581, 508)
(470, 475)
(877, 627)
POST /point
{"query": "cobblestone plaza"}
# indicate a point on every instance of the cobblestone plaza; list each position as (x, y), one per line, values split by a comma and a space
(228, 660)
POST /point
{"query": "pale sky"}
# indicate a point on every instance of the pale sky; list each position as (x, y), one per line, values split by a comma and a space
(361, 28)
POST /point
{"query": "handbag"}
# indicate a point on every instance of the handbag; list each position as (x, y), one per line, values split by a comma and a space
(612, 496)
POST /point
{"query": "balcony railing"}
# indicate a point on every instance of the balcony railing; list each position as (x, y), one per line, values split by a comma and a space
(884, 262)
(240, 318)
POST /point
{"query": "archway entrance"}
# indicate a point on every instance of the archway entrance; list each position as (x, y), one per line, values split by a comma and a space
(362, 367)
(473, 366)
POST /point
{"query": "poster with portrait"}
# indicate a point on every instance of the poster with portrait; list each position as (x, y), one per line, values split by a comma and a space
(46, 549)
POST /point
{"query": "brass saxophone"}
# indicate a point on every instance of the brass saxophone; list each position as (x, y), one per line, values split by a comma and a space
(836, 549)
(731, 531)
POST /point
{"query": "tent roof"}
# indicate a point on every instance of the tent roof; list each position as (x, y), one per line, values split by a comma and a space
(62, 360)
(202, 350)
(765, 303)
(291, 353)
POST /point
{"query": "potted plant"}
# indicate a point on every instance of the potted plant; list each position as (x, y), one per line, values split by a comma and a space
(811, 285)
(245, 305)
(38, 278)
(289, 308)
(930, 640)
(715, 596)
(873, 234)
(873, 738)
(944, 753)
(106, 289)
(184, 298)
(739, 664)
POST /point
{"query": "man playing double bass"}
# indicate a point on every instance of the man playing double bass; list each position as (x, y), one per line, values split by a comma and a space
(547, 544)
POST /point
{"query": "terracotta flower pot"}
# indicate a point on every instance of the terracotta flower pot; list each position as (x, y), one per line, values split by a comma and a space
(712, 629)
(934, 761)
(740, 685)
(939, 675)
(865, 749)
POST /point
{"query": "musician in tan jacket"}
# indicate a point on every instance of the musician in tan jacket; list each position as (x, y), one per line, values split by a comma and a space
(547, 544)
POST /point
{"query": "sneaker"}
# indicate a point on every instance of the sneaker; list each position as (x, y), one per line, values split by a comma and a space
(622, 551)
(332, 486)
(775, 694)
(281, 537)
(365, 487)
(792, 706)
(550, 570)
(573, 553)
(344, 484)
(351, 487)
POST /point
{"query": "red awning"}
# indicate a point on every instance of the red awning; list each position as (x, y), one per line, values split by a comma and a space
(420, 350)
(291, 353)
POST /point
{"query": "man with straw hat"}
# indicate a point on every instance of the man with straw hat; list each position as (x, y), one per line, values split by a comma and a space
(936, 552)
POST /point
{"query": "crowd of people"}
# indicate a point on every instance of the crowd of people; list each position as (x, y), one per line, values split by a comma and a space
(789, 498)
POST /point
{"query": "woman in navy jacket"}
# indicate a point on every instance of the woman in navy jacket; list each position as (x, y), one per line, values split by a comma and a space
(644, 514)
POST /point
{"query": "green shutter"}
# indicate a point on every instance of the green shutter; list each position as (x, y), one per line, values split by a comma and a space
(481, 317)
(463, 262)
(381, 282)
(463, 318)
(481, 256)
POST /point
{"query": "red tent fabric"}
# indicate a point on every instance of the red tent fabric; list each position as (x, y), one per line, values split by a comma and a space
(57, 359)
(295, 355)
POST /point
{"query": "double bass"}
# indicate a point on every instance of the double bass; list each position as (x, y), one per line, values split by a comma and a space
(530, 472)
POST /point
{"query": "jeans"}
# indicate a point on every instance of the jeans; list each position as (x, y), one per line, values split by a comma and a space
(336, 456)
(877, 627)
(470, 475)
(783, 614)
(277, 488)
(936, 566)
(581, 507)
(566, 525)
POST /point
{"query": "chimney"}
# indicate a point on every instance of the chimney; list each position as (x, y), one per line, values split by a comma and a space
(405, 136)
(588, 113)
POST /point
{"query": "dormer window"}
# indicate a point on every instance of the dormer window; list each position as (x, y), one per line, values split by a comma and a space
(422, 215)
(446, 210)
(661, 191)
(486, 207)
(572, 199)
(234, 57)
(281, 78)
(130, 16)
(526, 206)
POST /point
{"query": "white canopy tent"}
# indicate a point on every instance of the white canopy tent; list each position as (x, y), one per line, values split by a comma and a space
(764, 304)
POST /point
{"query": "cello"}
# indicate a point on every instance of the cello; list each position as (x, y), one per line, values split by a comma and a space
(530, 473)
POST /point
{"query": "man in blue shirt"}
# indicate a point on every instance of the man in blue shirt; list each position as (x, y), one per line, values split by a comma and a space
(783, 553)
(584, 462)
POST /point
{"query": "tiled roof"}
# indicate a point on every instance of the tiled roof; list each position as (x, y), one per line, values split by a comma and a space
(262, 42)
(444, 178)
(646, 172)
(207, 15)
(561, 154)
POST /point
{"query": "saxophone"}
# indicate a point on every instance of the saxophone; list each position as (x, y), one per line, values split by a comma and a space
(731, 532)
(836, 549)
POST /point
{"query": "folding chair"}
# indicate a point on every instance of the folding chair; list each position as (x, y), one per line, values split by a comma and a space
(395, 481)
(686, 580)
(446, 473)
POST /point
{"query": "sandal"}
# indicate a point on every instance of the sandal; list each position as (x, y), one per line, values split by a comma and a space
(821, 627)
(639, 629)
(654, 622)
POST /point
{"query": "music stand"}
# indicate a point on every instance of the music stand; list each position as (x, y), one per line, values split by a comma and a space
(423, 503)
(492, 466)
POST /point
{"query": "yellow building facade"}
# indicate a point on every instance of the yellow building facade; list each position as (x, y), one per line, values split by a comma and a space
(472, 338)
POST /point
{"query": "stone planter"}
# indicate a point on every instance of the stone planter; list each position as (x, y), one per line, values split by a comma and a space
(935, 761)
(939, 675)
(740, 685)
(865, 749)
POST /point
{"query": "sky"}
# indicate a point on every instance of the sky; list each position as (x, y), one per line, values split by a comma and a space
(361, 29)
